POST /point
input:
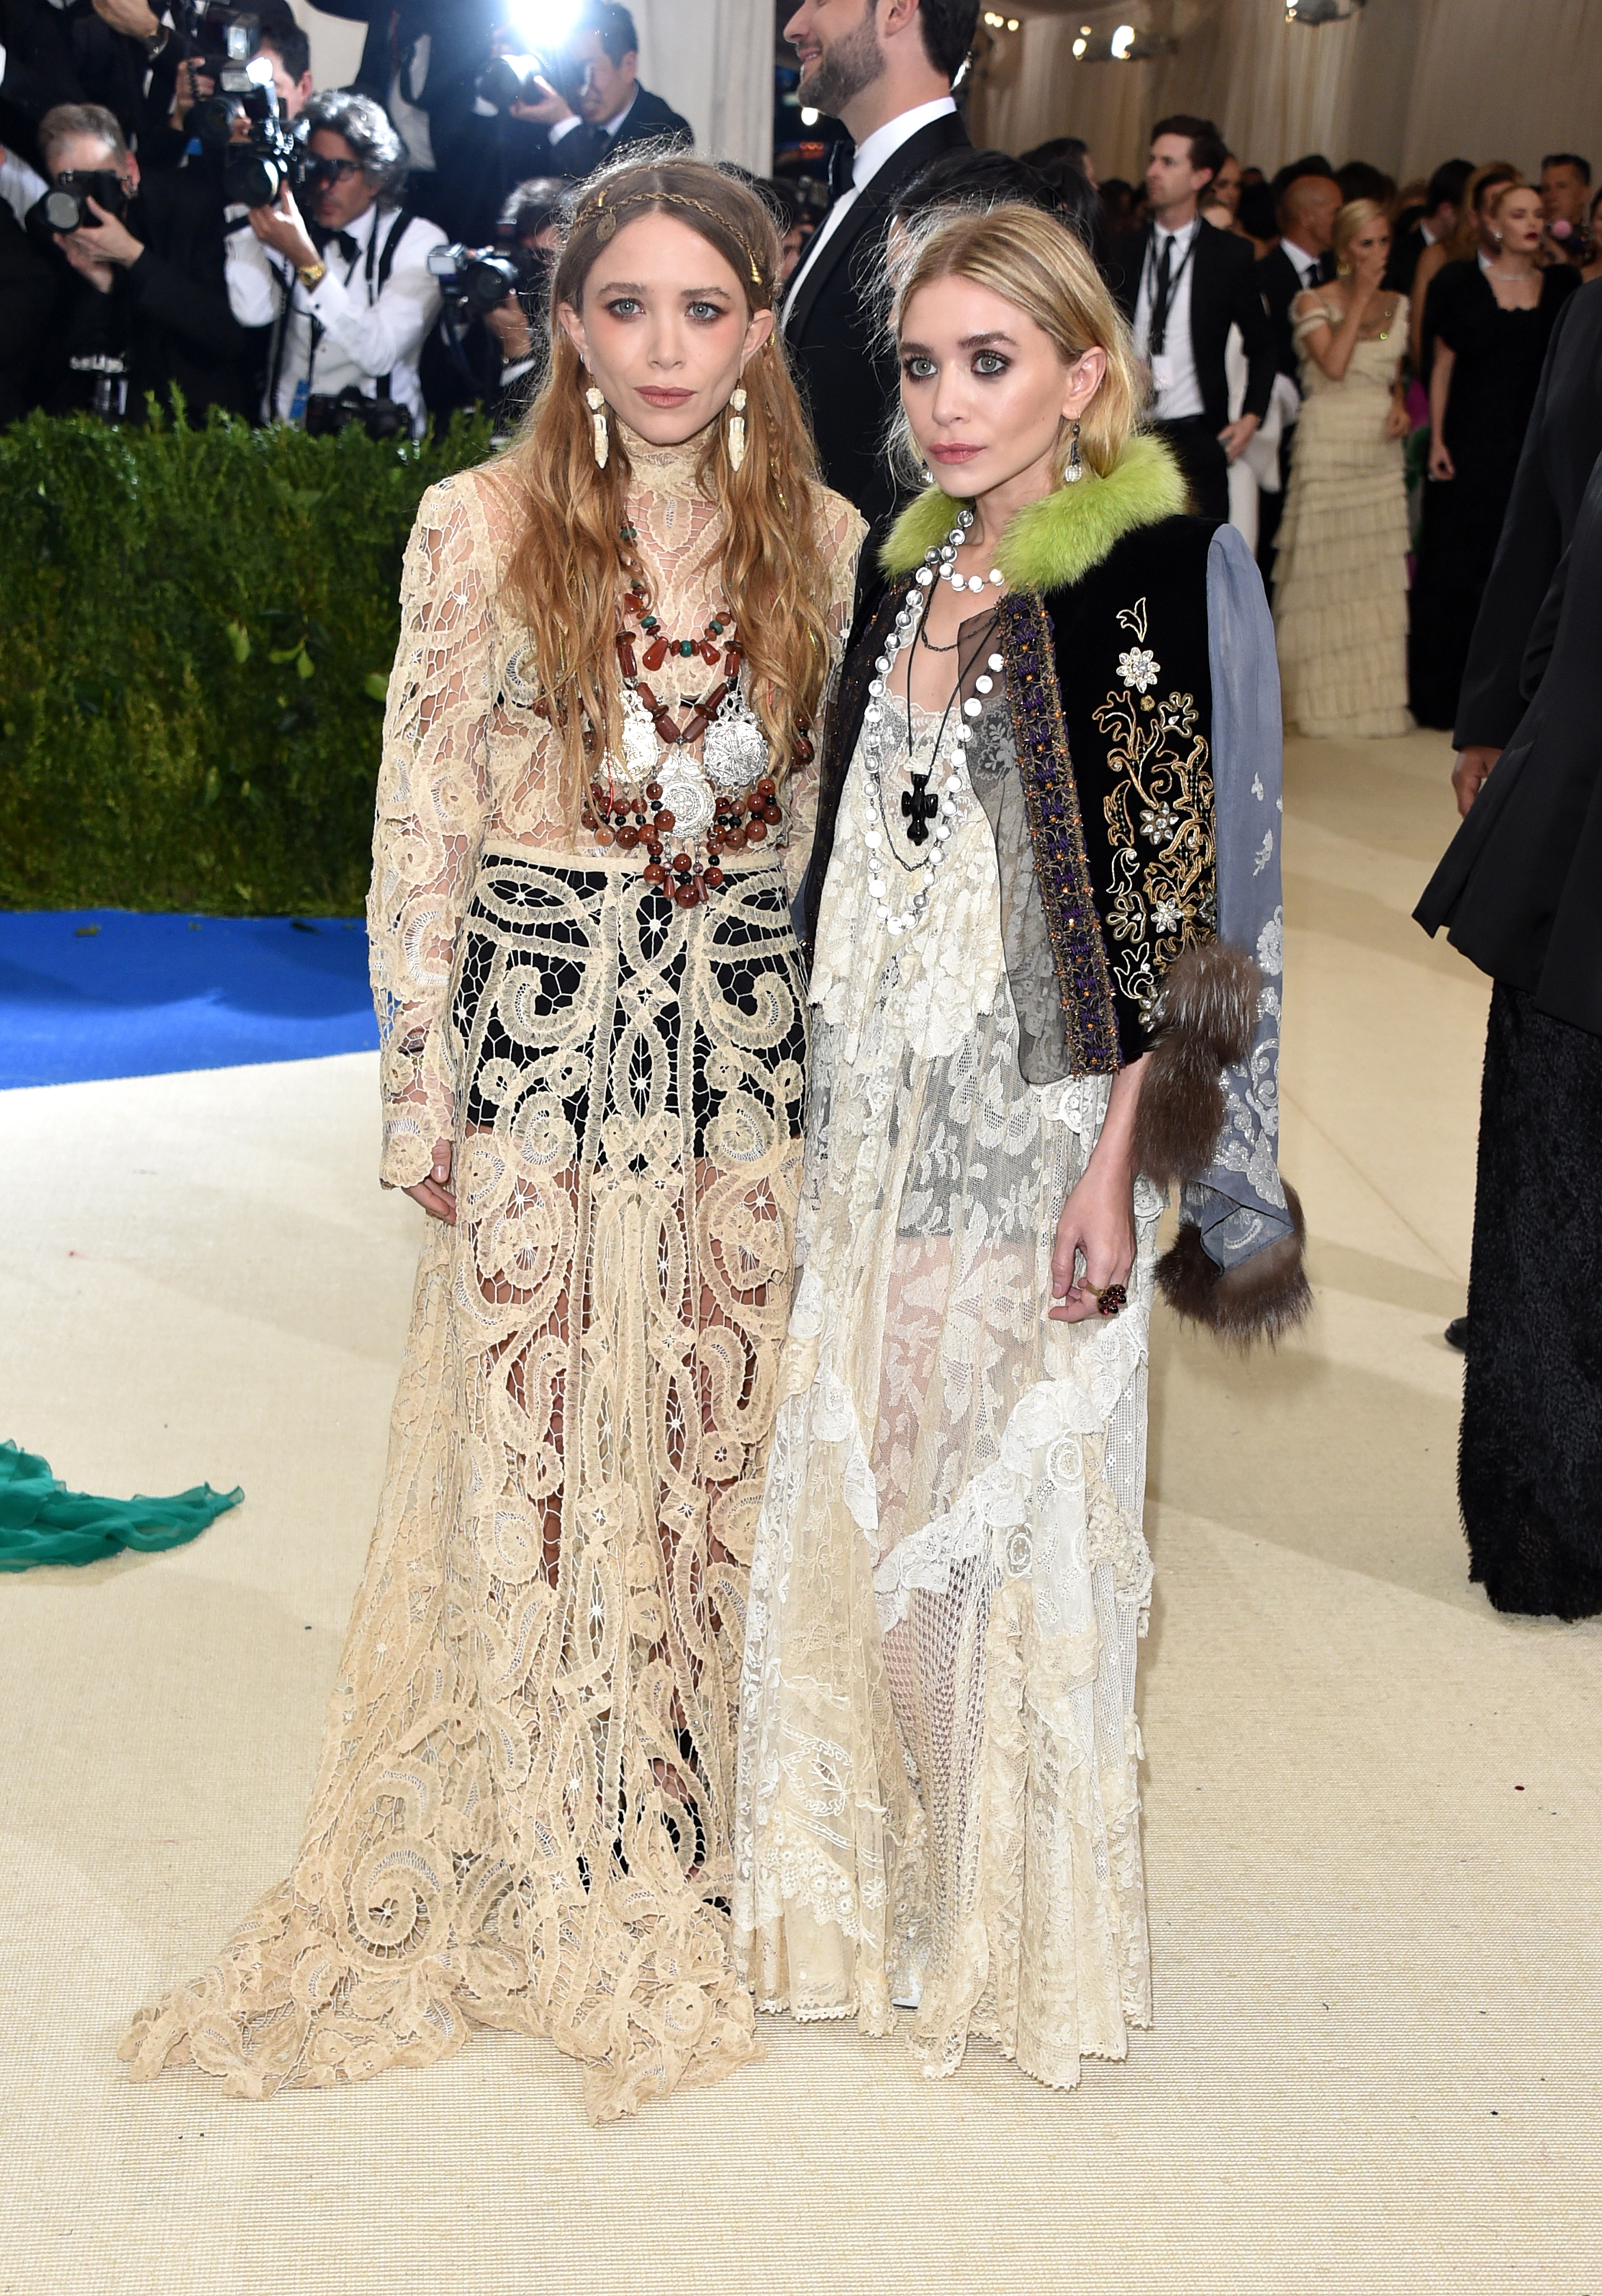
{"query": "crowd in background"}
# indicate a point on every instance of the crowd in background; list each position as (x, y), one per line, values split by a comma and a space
(1345, 366)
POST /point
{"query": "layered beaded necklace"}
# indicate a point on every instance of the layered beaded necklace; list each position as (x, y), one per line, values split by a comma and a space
(924, 813)
(686, 817)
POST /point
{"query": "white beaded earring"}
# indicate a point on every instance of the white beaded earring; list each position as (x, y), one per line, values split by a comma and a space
(1075, 471)
(736, 427)
(596, 405)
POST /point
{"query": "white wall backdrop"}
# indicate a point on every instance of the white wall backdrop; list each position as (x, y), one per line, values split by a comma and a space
(1405, 83)
(712, 59)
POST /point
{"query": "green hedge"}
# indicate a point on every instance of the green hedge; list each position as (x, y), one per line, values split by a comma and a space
(196, 629)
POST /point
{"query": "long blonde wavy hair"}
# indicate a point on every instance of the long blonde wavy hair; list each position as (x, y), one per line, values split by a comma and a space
(562, 578)
(1044, 270)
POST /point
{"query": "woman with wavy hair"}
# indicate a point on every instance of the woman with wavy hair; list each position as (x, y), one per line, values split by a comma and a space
(597, 783)
(1050, 922)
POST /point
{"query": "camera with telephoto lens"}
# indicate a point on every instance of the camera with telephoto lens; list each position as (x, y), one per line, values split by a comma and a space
(326, 414)
(65, 206)
(475, 281)
(530, 78)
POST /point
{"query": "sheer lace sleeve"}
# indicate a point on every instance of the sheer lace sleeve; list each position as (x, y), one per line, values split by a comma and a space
(843, 527)
(432, 799)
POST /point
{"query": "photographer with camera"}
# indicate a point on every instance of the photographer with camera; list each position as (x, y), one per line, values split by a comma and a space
(145, 306)
(351, 295)
(493, 334)
(269, 34)
(608, 108)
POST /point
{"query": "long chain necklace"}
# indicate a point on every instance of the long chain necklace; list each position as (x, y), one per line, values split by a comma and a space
(928, 817)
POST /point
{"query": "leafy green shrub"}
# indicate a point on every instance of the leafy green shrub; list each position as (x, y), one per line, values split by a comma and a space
(196, 630)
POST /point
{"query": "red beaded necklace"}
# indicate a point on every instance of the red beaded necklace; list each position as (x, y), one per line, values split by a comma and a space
(631, 817)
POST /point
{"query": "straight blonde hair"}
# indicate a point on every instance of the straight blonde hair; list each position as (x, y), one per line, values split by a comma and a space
(1037, 265)
(563, 576)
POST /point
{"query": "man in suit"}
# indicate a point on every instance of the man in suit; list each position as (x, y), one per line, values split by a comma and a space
(883, 69)
(1183, 284)
(609, 111)
(1442, 203)
(1302, 259)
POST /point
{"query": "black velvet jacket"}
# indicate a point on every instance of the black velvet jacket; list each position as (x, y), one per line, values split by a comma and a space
(1111, 699)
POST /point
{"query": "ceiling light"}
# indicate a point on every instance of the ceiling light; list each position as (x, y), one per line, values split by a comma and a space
(808, 115)
(1080, 46)
(1123, 41)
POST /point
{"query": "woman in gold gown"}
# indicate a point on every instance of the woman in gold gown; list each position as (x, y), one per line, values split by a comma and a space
(595, 796)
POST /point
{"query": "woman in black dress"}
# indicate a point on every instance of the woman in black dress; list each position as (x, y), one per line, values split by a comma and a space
(1489, 322)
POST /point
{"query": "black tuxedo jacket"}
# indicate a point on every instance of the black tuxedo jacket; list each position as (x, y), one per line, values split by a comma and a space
(848, 376)
(1280, 283)
(650, 120)
(1224, 291)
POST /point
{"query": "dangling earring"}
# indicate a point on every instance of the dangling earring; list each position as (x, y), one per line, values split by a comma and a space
(736, 427)
(1075, 471)
(596, 405)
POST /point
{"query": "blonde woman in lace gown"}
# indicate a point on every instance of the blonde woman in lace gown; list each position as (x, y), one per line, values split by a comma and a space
(1048, 793)
(1341, 579)
(593, 1041)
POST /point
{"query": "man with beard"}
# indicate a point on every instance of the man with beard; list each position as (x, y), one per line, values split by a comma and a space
(884, 69)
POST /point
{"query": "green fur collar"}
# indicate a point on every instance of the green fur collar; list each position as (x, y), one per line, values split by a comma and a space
(1056, 541)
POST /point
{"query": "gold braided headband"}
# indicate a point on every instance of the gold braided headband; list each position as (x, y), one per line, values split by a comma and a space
(608, 223)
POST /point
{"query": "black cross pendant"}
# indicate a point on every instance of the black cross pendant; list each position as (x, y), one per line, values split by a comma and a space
(919, 809)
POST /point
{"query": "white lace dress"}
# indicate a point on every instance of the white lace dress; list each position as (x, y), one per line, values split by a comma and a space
(521, 1817)
(938, 1798)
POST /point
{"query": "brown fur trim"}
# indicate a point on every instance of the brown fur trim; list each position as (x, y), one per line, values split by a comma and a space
(1206, 1016)
(1211, 993)
(1262, 1299)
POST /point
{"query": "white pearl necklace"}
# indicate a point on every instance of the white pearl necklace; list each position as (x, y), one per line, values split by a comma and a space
(939, 565)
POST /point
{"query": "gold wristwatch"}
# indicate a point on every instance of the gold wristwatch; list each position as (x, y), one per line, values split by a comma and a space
(311, 274)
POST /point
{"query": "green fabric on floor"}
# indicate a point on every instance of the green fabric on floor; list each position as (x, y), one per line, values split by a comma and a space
(41, 1520)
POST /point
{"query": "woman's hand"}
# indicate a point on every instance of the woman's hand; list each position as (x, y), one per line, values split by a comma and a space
(1397, 425)
(1441, 465)
(1098, 1221)
(435, 1194)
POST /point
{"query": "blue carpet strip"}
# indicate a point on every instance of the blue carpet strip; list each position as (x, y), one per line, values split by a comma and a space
(90, 993)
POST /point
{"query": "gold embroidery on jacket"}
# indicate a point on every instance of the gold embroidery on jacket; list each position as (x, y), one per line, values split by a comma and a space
(1161, 900)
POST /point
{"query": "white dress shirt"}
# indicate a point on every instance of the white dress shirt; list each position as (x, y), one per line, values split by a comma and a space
(362, 330)
(1306, 265)
(609, 128)
(1177, 392)
(870, 156)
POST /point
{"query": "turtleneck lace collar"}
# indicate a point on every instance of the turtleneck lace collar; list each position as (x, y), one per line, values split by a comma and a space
(665, 470)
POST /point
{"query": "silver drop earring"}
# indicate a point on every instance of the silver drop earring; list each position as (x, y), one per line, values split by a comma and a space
(736, 427)
(596, 405)
(1075, 471)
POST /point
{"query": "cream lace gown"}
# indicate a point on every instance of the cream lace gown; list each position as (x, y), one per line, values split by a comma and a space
(1341, 577)
(938, 1742)
(523, 1813)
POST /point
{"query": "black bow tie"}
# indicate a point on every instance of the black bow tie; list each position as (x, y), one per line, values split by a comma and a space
(343, 240)
(843, 159)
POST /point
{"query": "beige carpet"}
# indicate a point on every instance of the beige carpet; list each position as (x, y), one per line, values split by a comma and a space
(1371, 1804)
